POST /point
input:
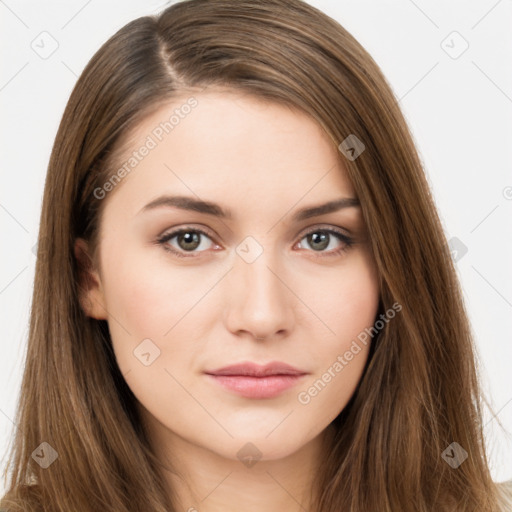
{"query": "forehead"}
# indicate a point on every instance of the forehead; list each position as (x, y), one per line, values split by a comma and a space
(224, 145)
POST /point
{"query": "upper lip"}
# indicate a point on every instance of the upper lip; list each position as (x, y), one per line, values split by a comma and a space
(255, 370)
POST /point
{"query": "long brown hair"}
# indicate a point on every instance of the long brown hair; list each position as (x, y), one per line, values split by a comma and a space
(419, 392)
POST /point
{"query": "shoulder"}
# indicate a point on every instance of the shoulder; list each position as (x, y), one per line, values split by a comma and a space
(23, 498)
(505, 496)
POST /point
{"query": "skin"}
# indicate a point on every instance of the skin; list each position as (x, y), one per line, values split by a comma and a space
(294, 303)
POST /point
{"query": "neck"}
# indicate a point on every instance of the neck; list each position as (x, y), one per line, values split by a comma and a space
(201, 480)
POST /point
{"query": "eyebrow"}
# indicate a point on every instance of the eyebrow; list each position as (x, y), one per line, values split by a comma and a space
(210, 208)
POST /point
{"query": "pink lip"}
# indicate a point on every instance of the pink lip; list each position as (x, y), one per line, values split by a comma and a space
(254, 381)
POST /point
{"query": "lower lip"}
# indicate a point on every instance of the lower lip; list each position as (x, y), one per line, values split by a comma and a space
(257, 387)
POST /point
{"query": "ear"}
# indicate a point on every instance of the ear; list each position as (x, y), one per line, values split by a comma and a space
(91, 294)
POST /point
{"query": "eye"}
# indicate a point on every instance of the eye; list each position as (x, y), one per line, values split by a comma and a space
(321, 239)
(187, 240)
(194, 240)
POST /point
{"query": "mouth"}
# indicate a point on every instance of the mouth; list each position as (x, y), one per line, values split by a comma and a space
(257, 382)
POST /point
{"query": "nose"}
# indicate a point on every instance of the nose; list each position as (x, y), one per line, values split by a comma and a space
(259, 302)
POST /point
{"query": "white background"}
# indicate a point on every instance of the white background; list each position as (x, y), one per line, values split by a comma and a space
(459, 110)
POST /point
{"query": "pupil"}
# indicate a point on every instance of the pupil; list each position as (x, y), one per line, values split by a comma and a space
(321, 238)
(191, 240)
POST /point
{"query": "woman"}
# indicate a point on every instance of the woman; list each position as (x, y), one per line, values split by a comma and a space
(243, 295)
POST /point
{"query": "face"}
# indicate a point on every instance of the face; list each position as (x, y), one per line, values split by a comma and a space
(243, 268)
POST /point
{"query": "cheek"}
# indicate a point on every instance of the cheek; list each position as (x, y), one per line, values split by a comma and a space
(349, 301)
(150, 299)
(145, 293)
(349, 309)
(135, 295)
(146, 300)
(140, 303)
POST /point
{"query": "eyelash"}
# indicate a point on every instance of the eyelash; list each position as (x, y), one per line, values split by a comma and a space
(347, 241)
